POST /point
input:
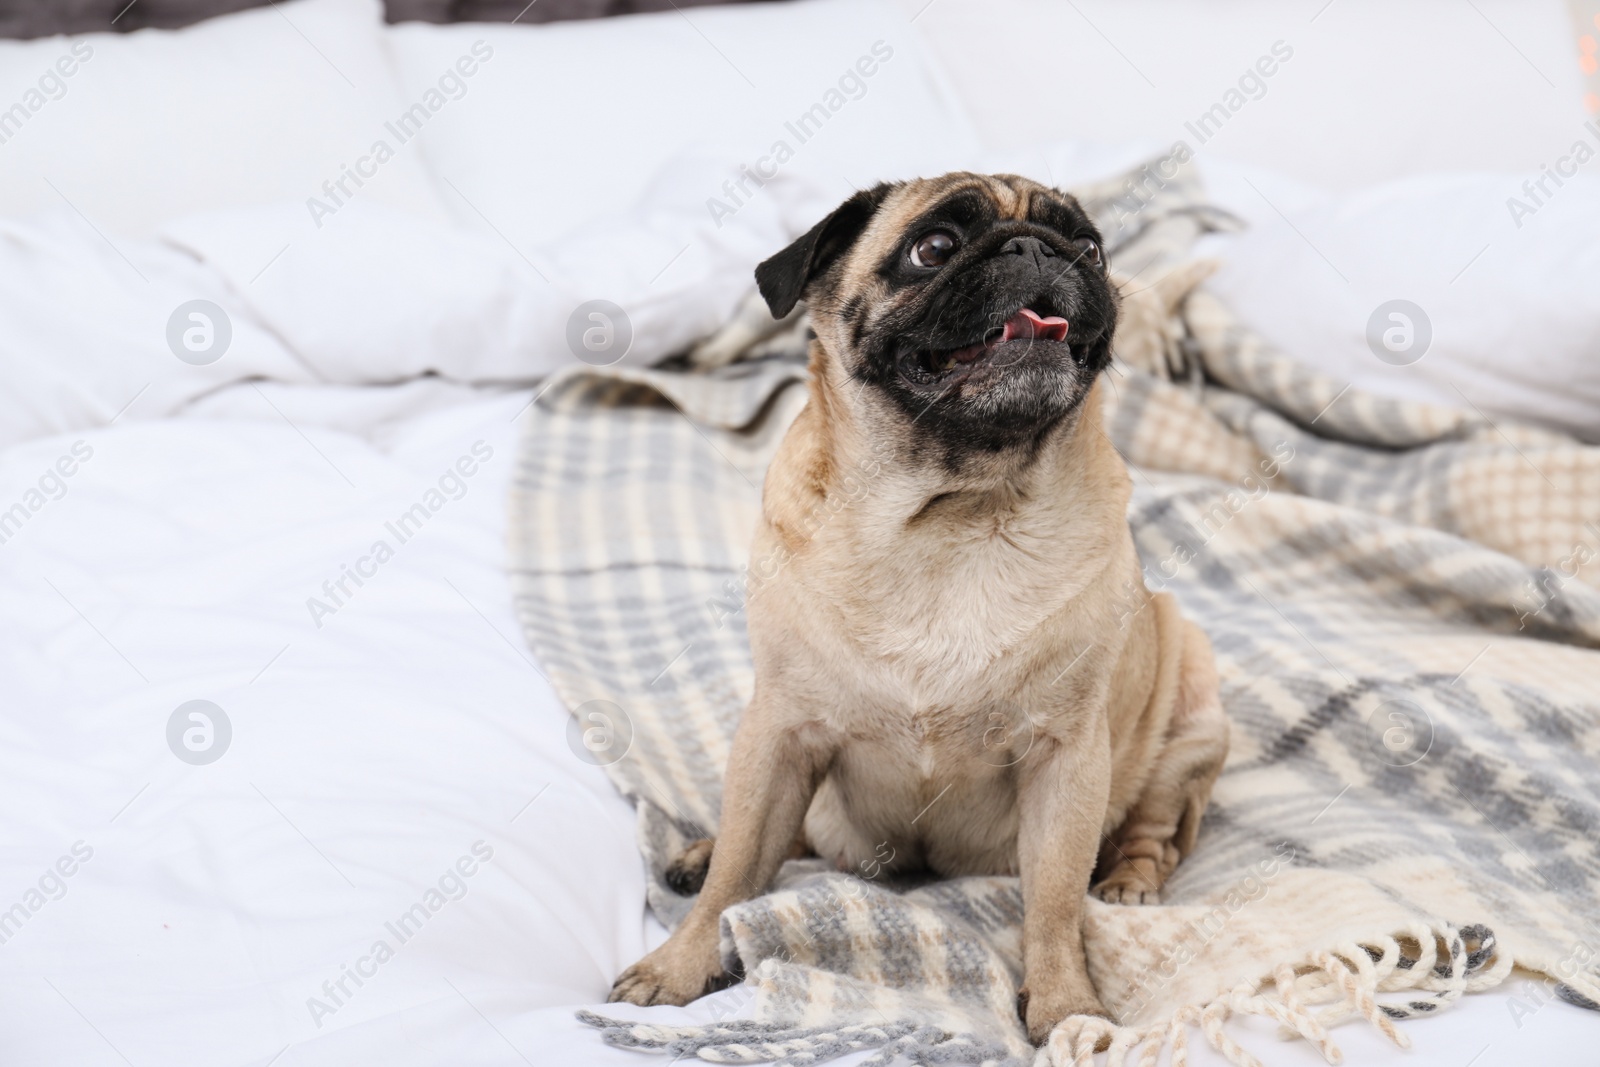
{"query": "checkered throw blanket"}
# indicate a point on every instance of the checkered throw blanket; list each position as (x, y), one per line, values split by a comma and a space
(1403, 606)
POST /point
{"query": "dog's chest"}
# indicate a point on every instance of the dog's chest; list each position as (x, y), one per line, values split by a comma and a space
(944, 608)
(947, 636)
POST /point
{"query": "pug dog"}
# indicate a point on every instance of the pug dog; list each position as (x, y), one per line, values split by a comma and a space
(956, 655)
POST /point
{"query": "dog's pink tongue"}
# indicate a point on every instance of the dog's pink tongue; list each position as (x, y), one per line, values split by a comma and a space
(1027, 323)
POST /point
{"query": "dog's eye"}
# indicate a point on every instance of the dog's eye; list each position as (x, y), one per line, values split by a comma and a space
(934, 249)
(1088, 248)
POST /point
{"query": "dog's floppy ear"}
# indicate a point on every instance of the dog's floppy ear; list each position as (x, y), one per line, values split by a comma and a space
(783, 278)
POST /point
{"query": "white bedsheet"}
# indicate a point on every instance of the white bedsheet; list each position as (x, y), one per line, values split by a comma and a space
(368, 756)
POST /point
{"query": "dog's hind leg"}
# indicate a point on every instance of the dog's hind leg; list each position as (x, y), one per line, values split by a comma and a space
(687, 873)
(1161, 827)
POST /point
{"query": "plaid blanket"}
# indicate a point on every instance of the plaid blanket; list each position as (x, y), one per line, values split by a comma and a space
(1403, 606)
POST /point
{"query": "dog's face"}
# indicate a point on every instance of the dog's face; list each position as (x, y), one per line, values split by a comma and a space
(979, 305)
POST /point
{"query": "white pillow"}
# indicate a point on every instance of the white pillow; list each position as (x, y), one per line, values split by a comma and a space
(566, 123)
(1373, 89)
(96, 331)
(87, 326)
(1512, 304)
(379, 295)
(383, 296)
(247, 108)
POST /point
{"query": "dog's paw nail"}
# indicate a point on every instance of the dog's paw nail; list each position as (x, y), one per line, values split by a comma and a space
(636, 985)
(1114, 892)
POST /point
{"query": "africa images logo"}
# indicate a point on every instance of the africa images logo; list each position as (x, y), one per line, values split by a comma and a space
(452, 485)
(450, 886)
(450, 85)
(851, 85)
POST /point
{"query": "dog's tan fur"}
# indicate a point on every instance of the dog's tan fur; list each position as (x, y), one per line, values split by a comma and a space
(963, 667)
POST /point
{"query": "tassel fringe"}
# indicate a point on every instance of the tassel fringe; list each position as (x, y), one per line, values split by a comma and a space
(1306, 1000)
(1436, 965)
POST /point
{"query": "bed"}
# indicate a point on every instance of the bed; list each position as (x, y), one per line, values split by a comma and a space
(271, 710)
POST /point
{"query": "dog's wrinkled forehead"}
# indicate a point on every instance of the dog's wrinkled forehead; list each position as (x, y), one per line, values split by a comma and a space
(844, 252)
(965, 197)
(968, 201)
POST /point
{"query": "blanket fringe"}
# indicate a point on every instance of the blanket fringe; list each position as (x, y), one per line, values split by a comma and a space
(748, 1041)
(1435, 964)
(1306, 999)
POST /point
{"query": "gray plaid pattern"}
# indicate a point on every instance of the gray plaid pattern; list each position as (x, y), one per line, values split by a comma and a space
(1403, 621)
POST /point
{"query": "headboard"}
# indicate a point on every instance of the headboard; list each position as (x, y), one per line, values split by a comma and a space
(521, 11)
(41, 18)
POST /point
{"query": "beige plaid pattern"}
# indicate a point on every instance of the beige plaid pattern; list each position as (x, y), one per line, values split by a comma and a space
(1405, 624)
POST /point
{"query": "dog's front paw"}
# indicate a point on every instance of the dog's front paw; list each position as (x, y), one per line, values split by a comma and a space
(1066, 1044)
(1041, 1014)
(666, 977)
(646, 984)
